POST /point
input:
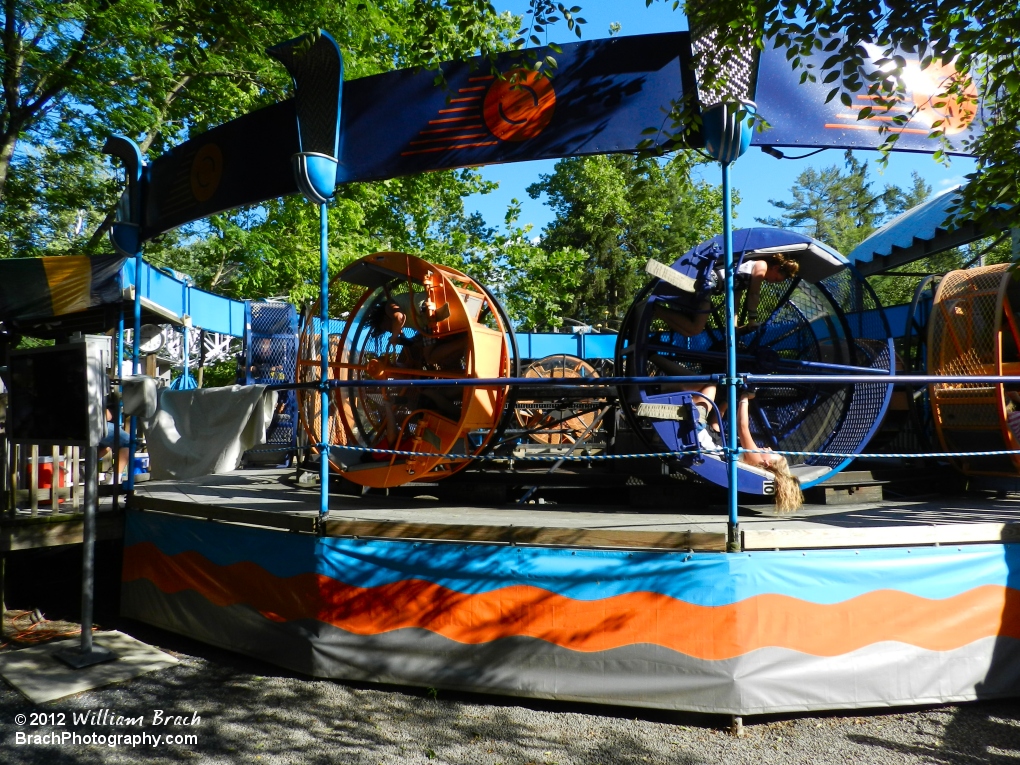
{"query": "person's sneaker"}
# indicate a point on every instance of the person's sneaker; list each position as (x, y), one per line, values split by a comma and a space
(705, 440)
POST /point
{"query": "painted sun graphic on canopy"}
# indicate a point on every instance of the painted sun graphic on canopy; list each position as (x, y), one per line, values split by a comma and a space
(516, 107)
(927, 102)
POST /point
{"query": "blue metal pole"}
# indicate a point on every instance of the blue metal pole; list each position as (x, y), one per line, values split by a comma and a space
(324, 364)
(732, 443)
(119, 420)
(185, 378)
(136, 364)
(185, 372)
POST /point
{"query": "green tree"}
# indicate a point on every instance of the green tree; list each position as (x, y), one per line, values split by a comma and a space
(621, 210)
(838, 206)
(160, 70)
(273, 250)
(535, 284)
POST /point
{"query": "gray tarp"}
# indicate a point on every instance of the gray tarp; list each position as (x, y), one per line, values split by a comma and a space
(205, 431)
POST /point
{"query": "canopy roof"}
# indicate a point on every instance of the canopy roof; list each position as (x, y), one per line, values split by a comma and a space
(917, 233)
(55, 297)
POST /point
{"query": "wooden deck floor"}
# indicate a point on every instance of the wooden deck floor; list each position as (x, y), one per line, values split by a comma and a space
(271, 498)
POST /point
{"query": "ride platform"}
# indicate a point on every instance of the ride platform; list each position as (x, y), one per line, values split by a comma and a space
(898, 602)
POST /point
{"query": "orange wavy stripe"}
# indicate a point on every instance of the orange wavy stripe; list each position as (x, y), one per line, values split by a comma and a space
(704, 632)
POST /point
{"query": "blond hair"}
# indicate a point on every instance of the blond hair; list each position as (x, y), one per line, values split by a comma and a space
(788, 496)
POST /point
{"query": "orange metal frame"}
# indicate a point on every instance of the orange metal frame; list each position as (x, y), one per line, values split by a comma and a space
(451, 307)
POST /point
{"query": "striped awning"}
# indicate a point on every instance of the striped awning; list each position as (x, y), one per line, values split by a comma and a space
(39, 288)
(917, 233)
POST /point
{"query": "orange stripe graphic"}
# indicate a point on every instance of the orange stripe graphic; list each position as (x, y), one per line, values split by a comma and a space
(449, 138)
(446, 148)
(453, 119)
(703, 632)
(878, 117)
(449, 129)
(875, 127)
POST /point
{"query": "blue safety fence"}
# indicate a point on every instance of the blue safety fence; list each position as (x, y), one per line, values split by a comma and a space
(271, 359)
(876, 384)
(583, 456)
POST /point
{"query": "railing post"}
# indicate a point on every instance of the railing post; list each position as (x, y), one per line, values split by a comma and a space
(136, 366)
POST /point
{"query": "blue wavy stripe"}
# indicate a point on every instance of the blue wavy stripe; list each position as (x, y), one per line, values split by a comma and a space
(707, 579)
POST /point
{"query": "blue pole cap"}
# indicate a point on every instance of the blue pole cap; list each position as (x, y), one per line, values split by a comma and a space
(315, 175)
(727, 128)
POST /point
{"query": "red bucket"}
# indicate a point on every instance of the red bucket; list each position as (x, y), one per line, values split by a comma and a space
(46, 475)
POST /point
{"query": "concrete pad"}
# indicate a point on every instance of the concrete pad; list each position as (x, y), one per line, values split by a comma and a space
(42, 677)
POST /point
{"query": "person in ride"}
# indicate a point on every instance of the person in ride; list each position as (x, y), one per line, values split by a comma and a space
(750, 274)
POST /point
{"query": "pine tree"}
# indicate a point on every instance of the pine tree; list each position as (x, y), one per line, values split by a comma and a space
(620, 211)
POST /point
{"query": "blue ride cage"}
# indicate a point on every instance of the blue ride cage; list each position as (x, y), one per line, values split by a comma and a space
(826, 322)
(271, 359)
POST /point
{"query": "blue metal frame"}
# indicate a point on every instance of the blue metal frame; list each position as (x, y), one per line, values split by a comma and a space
(324, 363)
(176, 297)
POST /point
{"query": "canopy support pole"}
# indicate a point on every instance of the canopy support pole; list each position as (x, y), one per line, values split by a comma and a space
(732, 442)
(324, 364)
(136, 365)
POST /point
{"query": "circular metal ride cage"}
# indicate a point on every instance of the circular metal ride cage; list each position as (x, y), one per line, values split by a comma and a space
(973, 330)
(826, 321)
(557, 423)
(415, 321)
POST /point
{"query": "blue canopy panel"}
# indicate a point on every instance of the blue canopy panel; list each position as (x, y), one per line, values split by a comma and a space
(917, 233)
(606, 94)
(799, 116)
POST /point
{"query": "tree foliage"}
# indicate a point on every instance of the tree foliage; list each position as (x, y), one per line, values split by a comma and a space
(620, 210)
(273, 250)
(838, 206)
(534, 283)
(159, 71)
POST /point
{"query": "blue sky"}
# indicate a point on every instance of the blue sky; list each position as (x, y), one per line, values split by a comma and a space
(756, 176)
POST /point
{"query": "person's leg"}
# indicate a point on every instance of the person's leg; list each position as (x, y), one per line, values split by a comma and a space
(123, 458)
(758, 270)
(684, 324)
(746, 440)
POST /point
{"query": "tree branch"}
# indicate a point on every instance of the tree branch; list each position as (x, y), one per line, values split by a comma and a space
(150, 136)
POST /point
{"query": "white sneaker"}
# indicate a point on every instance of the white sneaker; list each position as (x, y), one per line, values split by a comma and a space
(705, 440)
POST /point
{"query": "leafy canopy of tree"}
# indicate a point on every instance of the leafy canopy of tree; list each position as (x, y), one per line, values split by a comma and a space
(533, 282)
(620, 210)
(838, 206)
(158, 71)
(274, 250)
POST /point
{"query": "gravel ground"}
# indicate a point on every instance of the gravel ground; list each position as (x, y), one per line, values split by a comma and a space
(253, 712)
